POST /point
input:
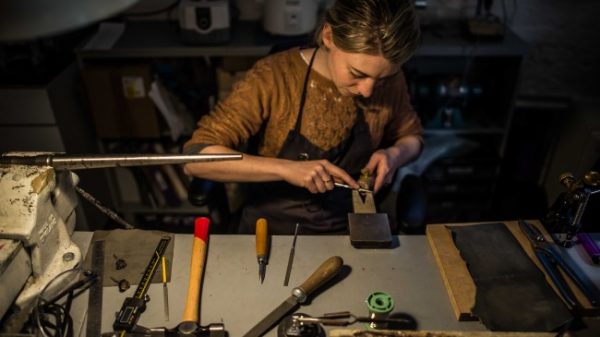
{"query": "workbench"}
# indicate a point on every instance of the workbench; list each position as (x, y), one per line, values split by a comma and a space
(233, 295)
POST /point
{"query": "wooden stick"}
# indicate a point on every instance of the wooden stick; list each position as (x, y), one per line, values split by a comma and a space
(192, 306)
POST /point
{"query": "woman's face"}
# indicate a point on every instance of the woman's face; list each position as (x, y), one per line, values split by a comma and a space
(356, 74)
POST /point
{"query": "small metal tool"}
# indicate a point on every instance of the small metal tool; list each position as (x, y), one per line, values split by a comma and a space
(133, 307)
(360, 189)
(563, 220)
(552, 260)
(123, 284)
(346, 318)
(262, 247)
(107, 211)
(288, 271)
(165, 289)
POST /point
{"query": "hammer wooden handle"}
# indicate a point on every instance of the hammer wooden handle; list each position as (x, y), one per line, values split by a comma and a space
(192, 305)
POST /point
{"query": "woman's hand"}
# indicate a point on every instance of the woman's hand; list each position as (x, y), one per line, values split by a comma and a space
(384, 166)
(317, 176)
(385, 162)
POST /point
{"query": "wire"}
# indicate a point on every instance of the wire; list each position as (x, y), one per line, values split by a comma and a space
(52, 318)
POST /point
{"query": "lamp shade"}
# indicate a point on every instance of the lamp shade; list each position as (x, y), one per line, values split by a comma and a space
(22, 20)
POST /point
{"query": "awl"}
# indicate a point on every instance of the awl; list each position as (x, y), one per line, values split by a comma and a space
(324, 273)
(262, 247)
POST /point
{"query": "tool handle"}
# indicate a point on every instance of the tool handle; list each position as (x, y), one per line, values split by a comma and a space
(557, 279)
(261, 237)
(580, 279)
(201, 226)
(324, 273)
(590, 246)
(163, 261)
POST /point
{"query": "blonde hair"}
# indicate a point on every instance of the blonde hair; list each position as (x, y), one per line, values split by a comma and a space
(389, 28)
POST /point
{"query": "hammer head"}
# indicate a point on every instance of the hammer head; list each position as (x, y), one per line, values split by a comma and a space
(192, 329)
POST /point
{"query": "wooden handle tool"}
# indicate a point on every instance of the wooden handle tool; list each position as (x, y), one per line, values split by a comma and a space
(192, 306)
(262, 247)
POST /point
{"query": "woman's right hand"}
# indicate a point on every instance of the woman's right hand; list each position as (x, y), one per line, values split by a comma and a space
(317, 176)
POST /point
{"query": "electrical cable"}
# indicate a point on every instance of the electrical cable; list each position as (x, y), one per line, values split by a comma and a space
(51, 318)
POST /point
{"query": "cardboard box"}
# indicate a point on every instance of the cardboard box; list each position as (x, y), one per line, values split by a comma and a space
(118, 100)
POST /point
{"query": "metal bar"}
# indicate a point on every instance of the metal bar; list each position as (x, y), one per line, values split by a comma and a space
(90, 161)
(360, 189)
(107, 211)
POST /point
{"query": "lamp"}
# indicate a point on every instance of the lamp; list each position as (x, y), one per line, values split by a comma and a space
(28, 20)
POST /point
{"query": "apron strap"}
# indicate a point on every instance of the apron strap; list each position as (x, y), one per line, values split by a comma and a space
(303, 95)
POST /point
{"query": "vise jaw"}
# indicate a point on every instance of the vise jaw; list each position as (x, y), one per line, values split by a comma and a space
(37, 219)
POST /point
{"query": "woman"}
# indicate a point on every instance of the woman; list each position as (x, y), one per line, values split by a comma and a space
(323, 114)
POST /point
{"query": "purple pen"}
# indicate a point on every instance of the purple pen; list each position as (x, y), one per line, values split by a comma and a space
(590, 246)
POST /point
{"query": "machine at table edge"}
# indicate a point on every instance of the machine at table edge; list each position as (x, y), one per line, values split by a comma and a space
(38, 199)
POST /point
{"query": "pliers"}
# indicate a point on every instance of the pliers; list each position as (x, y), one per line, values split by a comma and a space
(552, 260)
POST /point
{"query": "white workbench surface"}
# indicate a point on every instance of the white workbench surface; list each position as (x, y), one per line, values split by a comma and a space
(232, 294)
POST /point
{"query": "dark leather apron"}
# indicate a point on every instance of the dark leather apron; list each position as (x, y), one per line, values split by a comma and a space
(283, 204)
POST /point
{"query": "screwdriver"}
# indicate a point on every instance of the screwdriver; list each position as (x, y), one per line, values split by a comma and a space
(262, 250)
(165, 289)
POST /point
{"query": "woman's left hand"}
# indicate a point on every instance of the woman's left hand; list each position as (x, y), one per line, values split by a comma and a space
(384, 165)
(384, 162)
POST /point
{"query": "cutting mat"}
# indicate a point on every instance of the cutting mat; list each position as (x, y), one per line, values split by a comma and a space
(457, 279)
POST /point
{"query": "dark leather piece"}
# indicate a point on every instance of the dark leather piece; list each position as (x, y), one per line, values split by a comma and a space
(512, 293)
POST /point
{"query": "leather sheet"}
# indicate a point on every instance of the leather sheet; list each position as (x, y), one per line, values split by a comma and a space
(512, 292)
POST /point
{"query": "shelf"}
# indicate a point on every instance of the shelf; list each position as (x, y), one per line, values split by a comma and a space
(162, 39)
(458, 45)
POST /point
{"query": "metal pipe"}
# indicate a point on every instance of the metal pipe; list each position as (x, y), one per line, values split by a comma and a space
(91, 161)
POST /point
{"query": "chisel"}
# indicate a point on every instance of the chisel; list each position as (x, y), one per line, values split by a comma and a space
(324, 273)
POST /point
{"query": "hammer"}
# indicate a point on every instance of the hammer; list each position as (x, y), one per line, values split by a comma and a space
(189, 325)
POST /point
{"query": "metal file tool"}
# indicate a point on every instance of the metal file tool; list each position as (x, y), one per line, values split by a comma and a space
(288, 271)
(324, 273)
